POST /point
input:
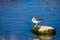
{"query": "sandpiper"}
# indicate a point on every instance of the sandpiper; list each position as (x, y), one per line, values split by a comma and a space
(36, 20)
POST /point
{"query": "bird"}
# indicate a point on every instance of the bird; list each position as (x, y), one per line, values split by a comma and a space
(36, 20)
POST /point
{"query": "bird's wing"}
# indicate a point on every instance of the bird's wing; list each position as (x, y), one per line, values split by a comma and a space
(38, 19)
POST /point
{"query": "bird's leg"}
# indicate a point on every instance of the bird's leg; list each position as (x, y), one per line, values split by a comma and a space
(35, 24)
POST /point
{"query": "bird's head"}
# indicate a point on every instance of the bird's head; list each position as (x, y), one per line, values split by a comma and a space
(33, 16)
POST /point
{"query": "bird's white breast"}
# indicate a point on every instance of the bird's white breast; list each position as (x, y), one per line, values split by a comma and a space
(34, 21)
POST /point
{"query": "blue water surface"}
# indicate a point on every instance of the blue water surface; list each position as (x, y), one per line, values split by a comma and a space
(16, 15)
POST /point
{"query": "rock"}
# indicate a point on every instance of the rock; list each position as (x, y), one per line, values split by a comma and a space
(43, 31)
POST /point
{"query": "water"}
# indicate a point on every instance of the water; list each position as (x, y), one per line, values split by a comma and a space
(15, 18)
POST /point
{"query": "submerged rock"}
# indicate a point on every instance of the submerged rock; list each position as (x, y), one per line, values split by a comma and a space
(36, 38)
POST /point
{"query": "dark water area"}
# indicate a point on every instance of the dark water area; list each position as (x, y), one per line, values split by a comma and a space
(15, 18)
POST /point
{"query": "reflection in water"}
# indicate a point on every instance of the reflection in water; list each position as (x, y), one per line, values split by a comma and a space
(12, 37)
(0, 37)
(3, 38)
(9, 37)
